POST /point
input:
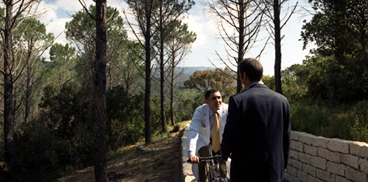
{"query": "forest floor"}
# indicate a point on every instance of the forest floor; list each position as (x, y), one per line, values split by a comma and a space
(162, 163)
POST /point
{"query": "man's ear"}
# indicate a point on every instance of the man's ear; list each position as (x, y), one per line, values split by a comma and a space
(206, 101)
(244, 75)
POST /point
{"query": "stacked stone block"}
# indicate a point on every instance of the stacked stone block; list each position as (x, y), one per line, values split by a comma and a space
(319, 159)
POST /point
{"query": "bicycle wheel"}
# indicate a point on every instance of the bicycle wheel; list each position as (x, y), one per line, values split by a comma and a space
(212, 174)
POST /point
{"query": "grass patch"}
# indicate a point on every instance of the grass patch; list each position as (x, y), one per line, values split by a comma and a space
(129, 163)
(156, 137)
(123, 151)
(176, 128)
(333, 121)
(160, 161)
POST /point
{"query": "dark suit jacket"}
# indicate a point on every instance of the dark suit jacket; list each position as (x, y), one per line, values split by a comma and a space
(257, 134)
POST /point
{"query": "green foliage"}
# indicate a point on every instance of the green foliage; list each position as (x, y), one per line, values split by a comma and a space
(332, 81)
(334, 28)
(343, 121)
(338, 71)
(125, 122)
(39, 153)
(292, 90)
(293, 86)
(269, 81)
(360, 128)
(62, 136)
(176, 128)
(60, 54)
(222, 79)
(33, 30)
(178, 32)
(189, 103)
(83, 27)
(308, 118)
(156, 114)
(160, 161)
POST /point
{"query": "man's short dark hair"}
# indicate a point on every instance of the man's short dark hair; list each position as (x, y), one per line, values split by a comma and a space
(209, 92)
(252, 67)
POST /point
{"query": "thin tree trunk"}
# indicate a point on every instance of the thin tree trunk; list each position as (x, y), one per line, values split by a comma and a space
(28, 84)
(8, 95)
(172, 90)
(276, 8)
(162, 73)
(147, 91)
(241, 43)
(100, 93)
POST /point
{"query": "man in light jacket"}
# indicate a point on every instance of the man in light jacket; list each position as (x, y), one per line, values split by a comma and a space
(201, 133)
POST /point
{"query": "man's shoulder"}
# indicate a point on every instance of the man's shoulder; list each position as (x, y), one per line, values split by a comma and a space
(202, 107)
(255, 92)
(276, 94)
(240, 94)
(224, 107)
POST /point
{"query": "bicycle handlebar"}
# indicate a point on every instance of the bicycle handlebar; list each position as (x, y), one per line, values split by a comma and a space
(204, 159)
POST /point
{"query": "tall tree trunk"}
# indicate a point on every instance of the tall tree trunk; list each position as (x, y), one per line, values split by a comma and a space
(162, 72)
(276, 9)
(28, 84)
(172, 90)
(147, 91)
(241, 43)
(9, 106)
(100, 93)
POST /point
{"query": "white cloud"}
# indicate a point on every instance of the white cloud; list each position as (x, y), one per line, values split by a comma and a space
(75, 6)
(47, 12)
(203, 28)
(57, 27)
(72, 6)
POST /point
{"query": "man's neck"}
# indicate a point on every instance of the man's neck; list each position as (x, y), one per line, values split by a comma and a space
(255, 82)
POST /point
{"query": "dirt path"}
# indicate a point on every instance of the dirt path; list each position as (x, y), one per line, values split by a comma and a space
(162, 163)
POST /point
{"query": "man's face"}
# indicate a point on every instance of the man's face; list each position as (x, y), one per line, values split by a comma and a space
(214, 101)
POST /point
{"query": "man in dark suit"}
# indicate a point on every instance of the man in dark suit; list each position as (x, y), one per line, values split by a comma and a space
(257, 132)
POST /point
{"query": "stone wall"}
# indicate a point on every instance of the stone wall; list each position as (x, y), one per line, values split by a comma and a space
(312, 159)
(317, 159)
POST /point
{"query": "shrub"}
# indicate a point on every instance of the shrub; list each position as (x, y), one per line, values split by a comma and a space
(38, 152)
(176, 128)
(188, 105)
(308, 118)
(360, 128)
(348, 122)
(61, 136)
(125, 117)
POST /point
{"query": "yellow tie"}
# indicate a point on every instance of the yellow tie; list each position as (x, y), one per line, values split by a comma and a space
(216, 134)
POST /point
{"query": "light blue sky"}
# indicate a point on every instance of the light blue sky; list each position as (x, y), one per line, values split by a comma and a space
(199, 21)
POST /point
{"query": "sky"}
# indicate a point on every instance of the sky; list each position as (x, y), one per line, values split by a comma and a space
(58, 12)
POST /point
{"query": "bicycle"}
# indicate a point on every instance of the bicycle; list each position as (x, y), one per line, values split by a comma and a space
(213, 163)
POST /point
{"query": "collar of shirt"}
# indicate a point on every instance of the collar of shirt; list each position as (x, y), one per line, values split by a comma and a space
(254, 83)
(211, 113)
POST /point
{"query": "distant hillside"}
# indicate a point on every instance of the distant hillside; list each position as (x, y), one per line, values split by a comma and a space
(179, 80)
(189, 71)
(186, 74)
